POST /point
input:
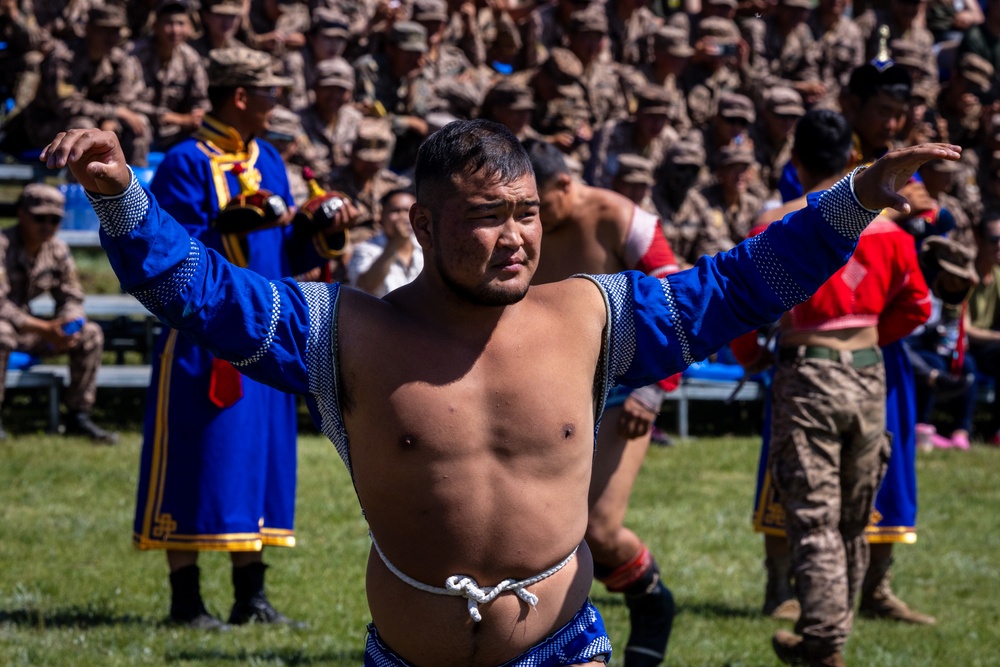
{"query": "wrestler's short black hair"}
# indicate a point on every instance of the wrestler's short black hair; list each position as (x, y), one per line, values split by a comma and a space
(547, 161)
(868, 81)
(823, 142)
(467, 147)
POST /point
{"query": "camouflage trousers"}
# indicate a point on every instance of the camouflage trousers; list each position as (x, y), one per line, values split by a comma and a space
(84, 361)
(829, 450)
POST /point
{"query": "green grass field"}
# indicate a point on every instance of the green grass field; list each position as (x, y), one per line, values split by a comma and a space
(73, 592)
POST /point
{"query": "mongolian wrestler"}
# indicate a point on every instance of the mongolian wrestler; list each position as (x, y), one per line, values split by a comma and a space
(593, 230)
(465, 404)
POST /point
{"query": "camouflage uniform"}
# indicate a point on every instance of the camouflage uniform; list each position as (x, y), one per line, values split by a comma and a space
(773, 156)
(331, 143)
(77, 92)
(180, 85)
(828, 452)
(19, 62)
(470, 42)
(602, 84)
(691, 228)
(777, 59)
(51, 271)
(737, 218)
(373, 144)
(300, 64)
(705, 83)
(61, 20)
(618, 137)
(629, 37)
(670, 41)
(840, 49)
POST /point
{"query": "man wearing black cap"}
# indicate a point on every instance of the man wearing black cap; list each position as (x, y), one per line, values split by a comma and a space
(36, 262)
(176, 93)
(202, 414)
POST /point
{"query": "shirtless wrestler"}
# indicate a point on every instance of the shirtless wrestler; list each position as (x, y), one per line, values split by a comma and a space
(592, 230)
(465, 404)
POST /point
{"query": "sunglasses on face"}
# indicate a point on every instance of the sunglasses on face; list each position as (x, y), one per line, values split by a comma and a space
(47, 219)
(272, 93)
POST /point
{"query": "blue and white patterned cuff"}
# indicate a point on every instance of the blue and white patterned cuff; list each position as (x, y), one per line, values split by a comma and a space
(842, 210)
(122, 213)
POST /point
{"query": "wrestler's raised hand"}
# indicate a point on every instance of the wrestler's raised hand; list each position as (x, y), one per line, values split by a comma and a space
(877, 186)
(95, 158)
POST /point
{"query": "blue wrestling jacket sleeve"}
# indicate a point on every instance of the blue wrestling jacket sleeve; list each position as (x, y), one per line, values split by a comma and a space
(261, 326)
(661, 326)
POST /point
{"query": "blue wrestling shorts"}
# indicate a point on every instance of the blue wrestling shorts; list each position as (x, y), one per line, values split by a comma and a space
(580, 641)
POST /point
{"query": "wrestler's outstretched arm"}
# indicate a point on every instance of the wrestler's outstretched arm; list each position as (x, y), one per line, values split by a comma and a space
(261, 326)
(661, 326)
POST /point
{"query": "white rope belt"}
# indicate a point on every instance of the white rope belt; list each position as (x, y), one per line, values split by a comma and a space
(460, 585)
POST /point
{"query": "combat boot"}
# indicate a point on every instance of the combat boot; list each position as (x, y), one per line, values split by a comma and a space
(791, 650)
(79, 423)
(3, 433)
(186, 606)
(878, 600)
(779, 598)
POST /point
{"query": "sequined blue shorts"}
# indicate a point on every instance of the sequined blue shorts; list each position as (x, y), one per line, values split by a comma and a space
(580, 641)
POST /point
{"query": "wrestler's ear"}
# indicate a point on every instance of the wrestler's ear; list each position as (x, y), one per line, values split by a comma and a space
(564, 182)
(422, 221)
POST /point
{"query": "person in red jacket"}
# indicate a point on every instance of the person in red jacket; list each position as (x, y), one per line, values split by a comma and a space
(828, 449)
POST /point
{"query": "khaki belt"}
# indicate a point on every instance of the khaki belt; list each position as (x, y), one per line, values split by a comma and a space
(863, 358)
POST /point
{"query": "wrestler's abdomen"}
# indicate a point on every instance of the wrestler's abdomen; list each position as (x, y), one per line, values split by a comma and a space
(479, 465)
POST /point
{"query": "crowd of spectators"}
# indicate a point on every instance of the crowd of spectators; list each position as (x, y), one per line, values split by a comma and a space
(685, 106)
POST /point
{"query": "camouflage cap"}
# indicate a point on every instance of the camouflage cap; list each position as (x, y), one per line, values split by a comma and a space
(977, 70)
(720, 30)
(734, 105)
(335, 72)
(224, 7)
(784, 101)
(943, 254)
(510, 94)
(240, 66)
(563, 66)
(653, 99)
(374, 140)
(409, 36)
(673, 40)
(635, 169)
(685, 153)
(330, 22)
(107, 16)
(591, 19)
(430, 10)
(41, 199)
(284, 123)
(907, 53)
(734, 154)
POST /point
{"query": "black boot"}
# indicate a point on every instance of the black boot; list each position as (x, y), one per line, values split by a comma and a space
(186, 606)
(3, 433)
(651, 616)
(79, 423)
(252, 605)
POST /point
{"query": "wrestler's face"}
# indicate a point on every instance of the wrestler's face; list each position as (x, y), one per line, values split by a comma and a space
(556, 201)
(484, 238)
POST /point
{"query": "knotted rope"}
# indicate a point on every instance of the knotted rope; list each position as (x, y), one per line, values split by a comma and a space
(460, 585)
